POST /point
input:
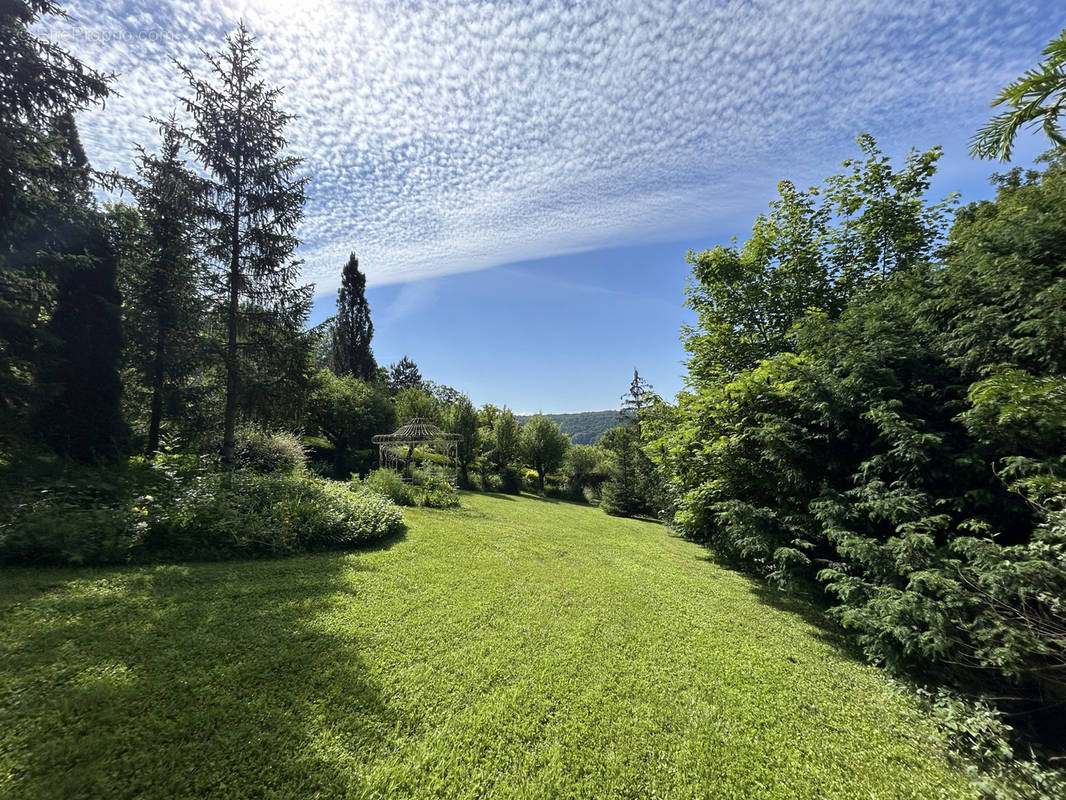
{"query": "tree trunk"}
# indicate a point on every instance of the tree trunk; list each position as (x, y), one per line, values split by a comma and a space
(229, 423)
(229, 420)
(155, 419)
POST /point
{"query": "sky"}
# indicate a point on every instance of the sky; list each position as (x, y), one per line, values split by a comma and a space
(521, 181)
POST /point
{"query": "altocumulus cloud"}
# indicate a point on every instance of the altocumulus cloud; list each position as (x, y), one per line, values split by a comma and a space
(449, 137)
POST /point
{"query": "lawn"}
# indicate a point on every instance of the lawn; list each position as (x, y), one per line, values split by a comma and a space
(515, 648)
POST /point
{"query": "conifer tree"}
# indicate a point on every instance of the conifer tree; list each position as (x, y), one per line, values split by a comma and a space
(41, 85)
(163, 293)
(255, 201)
(353, 329)
(404, 374)
(78, 355)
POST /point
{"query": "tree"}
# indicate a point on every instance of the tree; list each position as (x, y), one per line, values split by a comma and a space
(584, 468)
(348, 411)
(507, 439)
(811, 253)
(543, 446)
(353, 329)
(462, 418)
(80, 413)
(39, 83)
(1036, 98)
(44, 203)
(163, 302)
(79, 390)
(413, 402)
(255, 201)
(404, 375)
(640, 396)
(487, 416)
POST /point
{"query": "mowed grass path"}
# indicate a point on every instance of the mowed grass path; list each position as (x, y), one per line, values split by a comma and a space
(516, 648)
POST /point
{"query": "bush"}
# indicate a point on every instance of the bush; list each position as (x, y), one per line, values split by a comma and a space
(438, 493)
(53, 511)
(491, 482)
(390, 483)
(250, 514)
(268, 451)
(54, 530)
(510, 481)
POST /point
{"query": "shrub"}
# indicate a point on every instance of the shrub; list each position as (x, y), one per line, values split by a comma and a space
(438, 493)
(53, 511)
(491, 482)
(510, 481)
(268, 451)
(54, 530)
(249, 514)
(390, 483)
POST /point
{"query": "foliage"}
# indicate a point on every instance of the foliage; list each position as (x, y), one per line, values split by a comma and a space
(436, 492)
(462, 419)
(627, 492)
(905, 462)
(543, 446)
(507, 441)
(161, 279)
(1036, 98)
(348, 411)
(979, 741)
(390, 483)
(584, 427)
(584, 469)
(575, 647)
(412, 402)
(404, 374)
(79, 391)
(262, 450)
(45, 208)
(812, 252)
(68, 515)
(353, 329)
(242, 513)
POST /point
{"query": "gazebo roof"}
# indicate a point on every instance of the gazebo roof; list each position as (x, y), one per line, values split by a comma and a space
(418, 429)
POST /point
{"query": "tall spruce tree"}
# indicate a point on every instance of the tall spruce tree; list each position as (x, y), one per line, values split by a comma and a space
(163, 301)
(255, 201)
(639, 397)
(353, 329)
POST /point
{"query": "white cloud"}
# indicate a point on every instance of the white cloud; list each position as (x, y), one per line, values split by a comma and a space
(449, 138)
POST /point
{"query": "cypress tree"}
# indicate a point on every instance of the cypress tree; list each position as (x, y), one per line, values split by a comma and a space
(79, 390)
(353, 329)
(255, 203)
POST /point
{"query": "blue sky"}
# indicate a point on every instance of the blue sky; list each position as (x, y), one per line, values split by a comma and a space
(521, 180)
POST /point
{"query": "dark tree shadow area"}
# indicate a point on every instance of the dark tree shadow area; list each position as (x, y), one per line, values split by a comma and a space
(189, 681)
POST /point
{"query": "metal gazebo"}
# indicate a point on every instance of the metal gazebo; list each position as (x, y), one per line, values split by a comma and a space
(396, 450)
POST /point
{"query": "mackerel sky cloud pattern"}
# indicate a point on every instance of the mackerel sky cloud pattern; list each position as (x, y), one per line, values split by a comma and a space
(447, 137)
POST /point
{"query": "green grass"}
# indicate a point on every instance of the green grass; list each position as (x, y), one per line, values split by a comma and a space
(516, 648)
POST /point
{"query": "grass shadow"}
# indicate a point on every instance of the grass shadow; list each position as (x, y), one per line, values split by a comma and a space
(189, 680)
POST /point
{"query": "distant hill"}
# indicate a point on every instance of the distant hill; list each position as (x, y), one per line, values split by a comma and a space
(585, 427)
